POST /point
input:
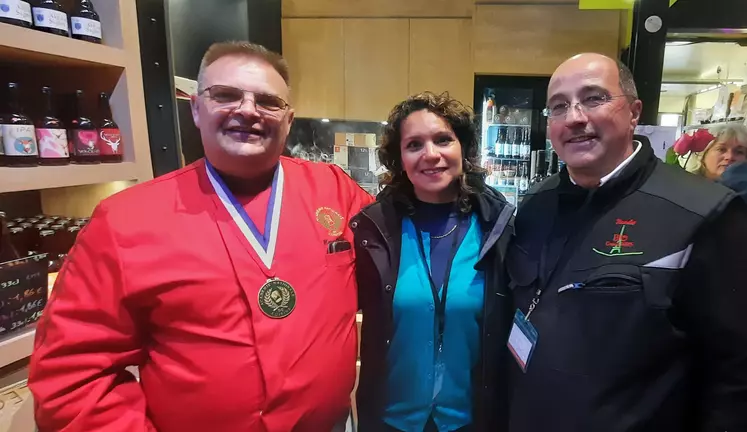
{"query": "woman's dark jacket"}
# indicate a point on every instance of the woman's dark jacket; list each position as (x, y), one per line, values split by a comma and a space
(377, 230)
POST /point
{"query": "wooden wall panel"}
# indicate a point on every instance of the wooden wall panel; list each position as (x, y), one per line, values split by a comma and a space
(376, 67)
(314, 50)
(79, 201)
(378, 8)
(441, 57)
(534, 40)
(514, 2)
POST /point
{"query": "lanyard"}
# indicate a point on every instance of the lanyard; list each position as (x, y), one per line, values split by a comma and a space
(567, 237)
(440, 302)
(262, 244)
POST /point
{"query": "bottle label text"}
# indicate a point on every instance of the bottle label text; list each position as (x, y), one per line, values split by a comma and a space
(15, 9)
(19, 140)
(86, 27)
(50, 19)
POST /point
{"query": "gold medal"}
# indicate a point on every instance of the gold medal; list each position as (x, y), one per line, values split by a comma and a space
(277, 298)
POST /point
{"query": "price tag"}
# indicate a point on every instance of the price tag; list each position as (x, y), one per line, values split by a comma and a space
(23, 292)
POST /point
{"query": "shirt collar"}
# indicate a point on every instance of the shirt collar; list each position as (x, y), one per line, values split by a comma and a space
(615, 172)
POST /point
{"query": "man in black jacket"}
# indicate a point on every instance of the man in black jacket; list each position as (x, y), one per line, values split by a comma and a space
(628, 278)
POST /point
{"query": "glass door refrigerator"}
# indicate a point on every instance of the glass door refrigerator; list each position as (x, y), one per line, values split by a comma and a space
(513, 131)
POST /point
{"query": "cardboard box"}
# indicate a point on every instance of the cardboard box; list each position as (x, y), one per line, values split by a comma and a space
(341, 156)
(340, 139)
(17, 408)
(365, 140)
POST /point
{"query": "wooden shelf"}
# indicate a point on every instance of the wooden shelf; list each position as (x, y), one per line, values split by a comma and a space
(18, 44)
(17, 346)
(14, 179)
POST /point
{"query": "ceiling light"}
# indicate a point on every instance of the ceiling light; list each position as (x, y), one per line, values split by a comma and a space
(325, 120)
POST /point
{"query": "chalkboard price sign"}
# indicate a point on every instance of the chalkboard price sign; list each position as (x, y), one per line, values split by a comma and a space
(23, 292)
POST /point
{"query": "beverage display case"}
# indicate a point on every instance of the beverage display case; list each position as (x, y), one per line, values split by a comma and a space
(512, 127)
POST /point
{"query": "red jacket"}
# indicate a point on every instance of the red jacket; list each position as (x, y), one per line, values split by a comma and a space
(163, 278)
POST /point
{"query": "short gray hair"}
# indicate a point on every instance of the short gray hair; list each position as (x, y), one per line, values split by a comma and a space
(733, 131)
(627, 83)
(243, 48)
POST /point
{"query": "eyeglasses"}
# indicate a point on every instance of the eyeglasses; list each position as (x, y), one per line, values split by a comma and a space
(587, 105)
(228, 97)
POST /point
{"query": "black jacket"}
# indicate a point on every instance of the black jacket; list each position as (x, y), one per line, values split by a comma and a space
(655, 338)
(377, 230)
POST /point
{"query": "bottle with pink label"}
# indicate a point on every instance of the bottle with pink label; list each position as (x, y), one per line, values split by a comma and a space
(19, 139)
(83, 137)
(51, 135)
(110, 139)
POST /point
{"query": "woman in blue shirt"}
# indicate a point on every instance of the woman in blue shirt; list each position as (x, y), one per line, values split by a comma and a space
(431, 282)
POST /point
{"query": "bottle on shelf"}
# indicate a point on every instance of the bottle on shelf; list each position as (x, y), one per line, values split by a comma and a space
(509, 173)
(496, 149)
(554, 163)
(515, 143)
(110, 138)
(85, 23)
(526, 147)
(51, 135)
(523, 177)
(539, 167)
(499, 147)
(503, 138)
(490, 110)
(498, 172)
(7, 251)
(83, 136)
(16, 12)
(19, 139)
(50, 17)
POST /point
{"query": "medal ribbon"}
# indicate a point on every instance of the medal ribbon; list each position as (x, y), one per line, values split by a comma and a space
(263, 244)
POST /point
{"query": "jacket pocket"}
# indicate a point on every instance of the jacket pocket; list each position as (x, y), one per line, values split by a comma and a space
(608, 325)
(338, 259)
(606, 283)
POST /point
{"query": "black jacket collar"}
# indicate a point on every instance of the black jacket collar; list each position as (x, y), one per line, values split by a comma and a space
(627, 181)
(389, 209)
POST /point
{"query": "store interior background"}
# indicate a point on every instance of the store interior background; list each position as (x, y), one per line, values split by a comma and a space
(351, 62)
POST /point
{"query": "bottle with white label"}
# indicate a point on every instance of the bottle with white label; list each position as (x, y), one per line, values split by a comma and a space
(85, 23)
(51, 135)
(19, 138)
(16, 12)
(49, 17)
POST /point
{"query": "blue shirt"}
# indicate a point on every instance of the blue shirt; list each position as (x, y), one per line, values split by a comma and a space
(438, 220)
(421, 382)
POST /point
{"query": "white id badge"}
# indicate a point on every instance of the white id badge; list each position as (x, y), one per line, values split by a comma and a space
(522, 340)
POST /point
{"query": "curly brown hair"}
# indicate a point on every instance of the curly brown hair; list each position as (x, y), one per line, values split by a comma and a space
(461, 120)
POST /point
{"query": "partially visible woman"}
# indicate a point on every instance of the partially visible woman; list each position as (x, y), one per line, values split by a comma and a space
(431, 280)
(729, 147)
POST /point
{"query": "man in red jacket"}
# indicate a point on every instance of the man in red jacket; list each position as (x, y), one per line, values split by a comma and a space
(228, 283)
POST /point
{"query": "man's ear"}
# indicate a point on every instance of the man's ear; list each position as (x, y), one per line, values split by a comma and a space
(291, 116)
(195, 108)
(636, 108)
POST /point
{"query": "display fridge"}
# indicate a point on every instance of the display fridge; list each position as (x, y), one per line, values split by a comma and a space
(513, 131)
